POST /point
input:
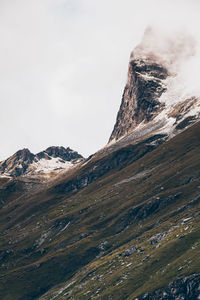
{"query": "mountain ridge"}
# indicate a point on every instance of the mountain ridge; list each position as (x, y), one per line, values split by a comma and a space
(53, 159)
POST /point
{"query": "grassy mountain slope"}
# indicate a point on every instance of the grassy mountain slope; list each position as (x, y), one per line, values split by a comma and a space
(112, 232)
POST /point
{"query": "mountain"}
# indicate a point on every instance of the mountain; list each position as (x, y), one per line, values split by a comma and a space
(123, 223)
(155, 101)
(44, 165)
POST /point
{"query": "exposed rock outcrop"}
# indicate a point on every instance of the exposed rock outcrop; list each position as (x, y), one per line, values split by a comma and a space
(18, 163)
(184, 288)
(66, 154)
(154, 98)
(140, 99)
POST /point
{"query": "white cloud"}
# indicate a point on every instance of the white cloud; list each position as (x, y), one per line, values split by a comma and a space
(63, 66)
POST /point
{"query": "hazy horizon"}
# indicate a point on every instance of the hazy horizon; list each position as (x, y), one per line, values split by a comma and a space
(64, 65)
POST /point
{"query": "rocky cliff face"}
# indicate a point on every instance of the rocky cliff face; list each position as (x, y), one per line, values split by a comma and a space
(184, 288)
(18, 163)
(140, 102)
(53, 159)
(66, 154)
(154, 97)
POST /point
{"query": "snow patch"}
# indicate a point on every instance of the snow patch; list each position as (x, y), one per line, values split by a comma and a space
(5, 176)
(48, 165)
(65, 227)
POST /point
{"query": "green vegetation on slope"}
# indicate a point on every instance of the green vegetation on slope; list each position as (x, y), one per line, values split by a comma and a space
(131, 231)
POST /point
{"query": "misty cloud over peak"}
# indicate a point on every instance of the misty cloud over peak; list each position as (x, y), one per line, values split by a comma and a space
(171, 48)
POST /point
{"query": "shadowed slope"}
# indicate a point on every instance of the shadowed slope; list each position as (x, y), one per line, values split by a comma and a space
(125, 224)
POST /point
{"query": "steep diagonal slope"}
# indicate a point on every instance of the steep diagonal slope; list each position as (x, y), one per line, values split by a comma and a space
(130, 226)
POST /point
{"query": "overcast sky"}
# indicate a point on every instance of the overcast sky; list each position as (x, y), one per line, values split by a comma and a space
(63, 66)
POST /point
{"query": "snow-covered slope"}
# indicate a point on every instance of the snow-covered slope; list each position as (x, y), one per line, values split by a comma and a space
(47, 165)
(43, 165)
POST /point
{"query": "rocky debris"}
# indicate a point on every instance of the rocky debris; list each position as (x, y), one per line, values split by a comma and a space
(157, 238)
(103, 245)
(186, 220)
(130, 251)
(42, 238)
(184, 288)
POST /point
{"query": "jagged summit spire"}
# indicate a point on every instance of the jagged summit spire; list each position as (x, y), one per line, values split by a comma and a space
(153, 94)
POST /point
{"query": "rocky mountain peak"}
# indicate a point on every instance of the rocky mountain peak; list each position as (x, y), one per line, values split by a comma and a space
(141, 95)
(153, 96)
(18, 163)
(53, 159)
(66, 154)
(24, 154)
